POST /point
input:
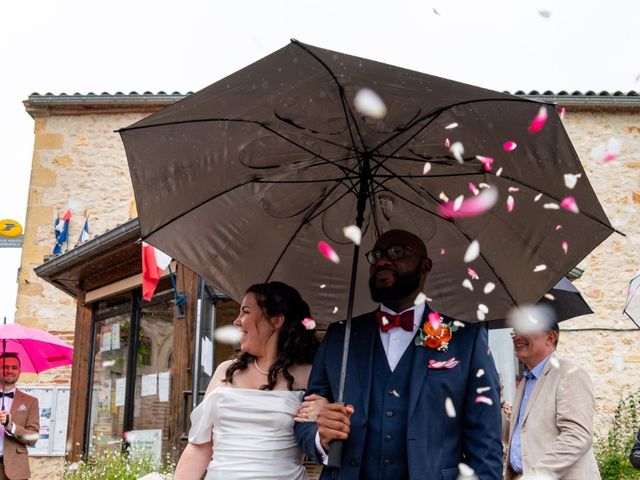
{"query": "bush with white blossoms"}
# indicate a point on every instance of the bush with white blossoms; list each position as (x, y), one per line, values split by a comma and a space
(118, 466)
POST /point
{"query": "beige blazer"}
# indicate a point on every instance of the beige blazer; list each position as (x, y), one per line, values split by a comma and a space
(26, 415)
(557, 432)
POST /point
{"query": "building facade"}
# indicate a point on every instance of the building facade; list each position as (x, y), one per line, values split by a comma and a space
(79, 165)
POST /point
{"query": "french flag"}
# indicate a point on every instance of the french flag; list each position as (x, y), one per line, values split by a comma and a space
(61, 232)
(84, 233)
(154, 262)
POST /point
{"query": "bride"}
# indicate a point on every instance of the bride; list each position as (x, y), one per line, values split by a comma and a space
(243, 429)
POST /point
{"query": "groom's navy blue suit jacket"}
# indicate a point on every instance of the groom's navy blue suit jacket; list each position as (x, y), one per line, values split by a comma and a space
(436, 443)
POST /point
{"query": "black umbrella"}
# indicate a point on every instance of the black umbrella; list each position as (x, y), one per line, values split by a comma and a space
(632, 305)
(565, 302)
(242, 179)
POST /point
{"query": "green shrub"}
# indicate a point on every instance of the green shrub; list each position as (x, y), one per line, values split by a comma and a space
(612, 450)
(115, 466)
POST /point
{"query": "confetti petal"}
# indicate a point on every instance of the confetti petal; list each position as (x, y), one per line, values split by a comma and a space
(457, 203)
(420, 299)
(479, 373)
(489, 287)
(537, 197)
(442, 251)
(426, 169)
(538, 122)
(510, 203)
(466, 472)
(565, 247)
(228, 334)
(509, 146)
(486, 161)
(473, 250)
(563, 111)
(309, 323)
(443, 197)
(483, 308)
(569, 203)
(369, 103)
(570, 179)
(448, 406)
(483, 399)
(499, 172)
(466, 283)
(474, 206)
(353, 233)
(472, 273)
(482, 389)
(540, 268)
(473, 188)
(551, 206)
(457, 150)
(434, 320)
(558, 227)
(335, 310)
(447, 143)
(480, 315)
(328, 252)
(451, 126)
(513, 189)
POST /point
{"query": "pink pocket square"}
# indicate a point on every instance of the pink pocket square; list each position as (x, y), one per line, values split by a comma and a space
(435, 364)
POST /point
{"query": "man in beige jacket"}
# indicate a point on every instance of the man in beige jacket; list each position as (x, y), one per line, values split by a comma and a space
(551, 427)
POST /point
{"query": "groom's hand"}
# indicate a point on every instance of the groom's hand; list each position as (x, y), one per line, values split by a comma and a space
(333, 423)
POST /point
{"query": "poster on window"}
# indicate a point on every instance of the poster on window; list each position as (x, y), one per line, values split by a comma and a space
(53, 404)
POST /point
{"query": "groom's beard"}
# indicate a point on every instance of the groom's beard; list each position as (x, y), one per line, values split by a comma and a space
(404, 285)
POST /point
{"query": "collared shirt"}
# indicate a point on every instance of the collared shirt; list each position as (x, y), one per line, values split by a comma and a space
(395, 343)
(531, 377)
(8, 401)
(396, 340)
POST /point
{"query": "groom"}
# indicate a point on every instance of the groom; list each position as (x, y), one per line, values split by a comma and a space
(412, 411)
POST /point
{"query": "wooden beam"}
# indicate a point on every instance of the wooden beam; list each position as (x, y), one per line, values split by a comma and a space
(182, 357)
(79, 379)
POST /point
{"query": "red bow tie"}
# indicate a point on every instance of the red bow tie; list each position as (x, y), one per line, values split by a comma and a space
(404, 320)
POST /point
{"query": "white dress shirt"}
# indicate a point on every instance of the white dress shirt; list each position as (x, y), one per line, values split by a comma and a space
(8, 401)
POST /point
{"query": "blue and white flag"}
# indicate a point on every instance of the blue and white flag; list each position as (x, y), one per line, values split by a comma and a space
(84, 233)
(61, 231)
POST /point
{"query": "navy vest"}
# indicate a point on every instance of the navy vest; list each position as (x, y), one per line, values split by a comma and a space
(385, 448)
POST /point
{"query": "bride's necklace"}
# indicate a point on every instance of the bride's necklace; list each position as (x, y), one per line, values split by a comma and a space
(255, 364)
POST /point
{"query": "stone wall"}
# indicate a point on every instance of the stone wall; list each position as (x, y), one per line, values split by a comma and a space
(608, 352)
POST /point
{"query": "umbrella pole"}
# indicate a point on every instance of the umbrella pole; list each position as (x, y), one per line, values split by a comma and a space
(335, 447)
(4, 350)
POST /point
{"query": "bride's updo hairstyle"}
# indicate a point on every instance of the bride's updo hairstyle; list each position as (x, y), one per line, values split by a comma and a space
(296, 344)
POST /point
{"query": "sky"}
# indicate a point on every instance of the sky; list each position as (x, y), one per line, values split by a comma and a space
(68, 46)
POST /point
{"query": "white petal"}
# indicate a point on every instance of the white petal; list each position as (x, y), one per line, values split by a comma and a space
(353, 233)
(443, 197)
(551, 206)
(479, 373)
(369, 103)
(228, 334)
(538, 196)
(426, 168)
(540, 268)
(451, 126)
(420, 298)
(489, 287)
(451, 410)
(570, 179)
(458, 203)
(499, 172)
(472, 252)
(483, 308)
(457, 150)
(466, 283)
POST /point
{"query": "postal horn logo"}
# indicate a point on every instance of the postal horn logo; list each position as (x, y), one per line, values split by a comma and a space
(10, 228)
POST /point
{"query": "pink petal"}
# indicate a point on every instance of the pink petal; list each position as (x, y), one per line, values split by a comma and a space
(486, 161)
(434, 320)
(309, 323)
(483, 399)
(539, 121)
(569, 203)
(608, 156)
(565, 247)
(510, 204)
(426, 168)
(442, 251)
(514, 189)
(471, 207)
(562, 112)
(509, 146)
(328, 252)
(447, 143)
(558, 227)
(472, 273)
(473, 188)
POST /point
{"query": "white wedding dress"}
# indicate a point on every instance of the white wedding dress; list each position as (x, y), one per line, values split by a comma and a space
(252, 432)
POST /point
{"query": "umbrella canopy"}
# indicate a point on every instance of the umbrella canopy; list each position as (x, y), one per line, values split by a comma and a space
(241, 180)
(632, 306)
(565, 301)
(38, 350)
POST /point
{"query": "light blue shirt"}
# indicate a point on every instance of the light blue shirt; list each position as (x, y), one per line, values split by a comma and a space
(531, 377)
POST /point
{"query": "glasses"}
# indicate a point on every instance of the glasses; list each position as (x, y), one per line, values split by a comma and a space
(393, 252)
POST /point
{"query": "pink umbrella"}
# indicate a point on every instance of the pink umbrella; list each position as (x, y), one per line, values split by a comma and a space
(38, 350)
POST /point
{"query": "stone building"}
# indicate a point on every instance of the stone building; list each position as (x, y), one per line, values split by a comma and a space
(79, 164)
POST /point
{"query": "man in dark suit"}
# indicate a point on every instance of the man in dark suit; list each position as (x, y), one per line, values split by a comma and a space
(19, 422)
(421, 391)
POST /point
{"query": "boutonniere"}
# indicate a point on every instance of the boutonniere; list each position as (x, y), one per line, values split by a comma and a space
(435, 333)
